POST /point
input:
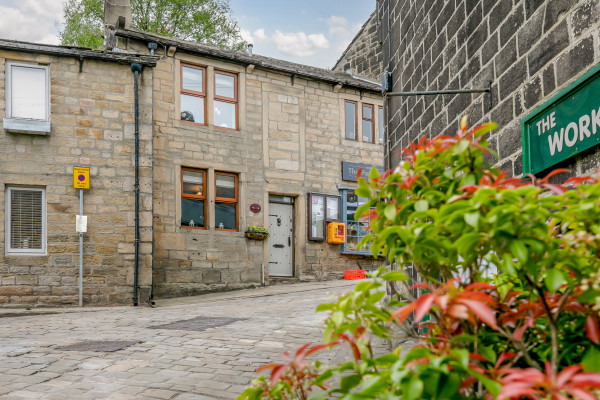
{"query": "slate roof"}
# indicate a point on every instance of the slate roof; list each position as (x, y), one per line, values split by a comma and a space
(321, 74)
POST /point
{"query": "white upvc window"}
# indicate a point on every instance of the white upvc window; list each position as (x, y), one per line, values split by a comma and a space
(25, 220)
(27, 98)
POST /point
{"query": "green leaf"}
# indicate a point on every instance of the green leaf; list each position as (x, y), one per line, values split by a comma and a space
(373, 174)
(373, 385)
(413, 389)
(387, 359)
(337, 318)
(422, 205)
(488, 353)
(591, 360)
(390, 211)
(349, 381)
(251, 394)
(325, 307)
(395, 276)
(492, 386)
(554, 279)
(472, 219)
(519, 250)
(449, 388)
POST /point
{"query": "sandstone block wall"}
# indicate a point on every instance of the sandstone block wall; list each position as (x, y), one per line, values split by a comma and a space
(92, 126)
(528, 49)
(290, 142)
(364, 55)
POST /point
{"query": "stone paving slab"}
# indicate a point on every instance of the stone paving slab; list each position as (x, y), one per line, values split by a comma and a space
(215, 363)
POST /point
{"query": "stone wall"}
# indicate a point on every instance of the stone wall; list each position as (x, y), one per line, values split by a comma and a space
(528, 49)
(290, 142)
(92, 125)
(364, 55)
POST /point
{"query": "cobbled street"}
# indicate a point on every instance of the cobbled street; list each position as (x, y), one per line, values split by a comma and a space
(172, 352)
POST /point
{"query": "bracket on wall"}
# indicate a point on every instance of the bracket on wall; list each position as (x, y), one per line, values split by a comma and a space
(80, 64)
(292, 77)
(451, 91)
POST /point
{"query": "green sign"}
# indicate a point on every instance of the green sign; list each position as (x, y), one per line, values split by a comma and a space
(564, 126)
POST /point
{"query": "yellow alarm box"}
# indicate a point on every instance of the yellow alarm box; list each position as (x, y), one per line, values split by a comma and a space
(336, 232)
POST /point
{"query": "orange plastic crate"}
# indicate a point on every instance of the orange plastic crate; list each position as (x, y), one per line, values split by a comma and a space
(355, 274)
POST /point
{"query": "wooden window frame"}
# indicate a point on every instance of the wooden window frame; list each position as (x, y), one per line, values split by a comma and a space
(326, 218)
(355, 120)
(193, 92)
(9, 250)
(229, 201)
(229, 100)
(204, 197)
(372, 120)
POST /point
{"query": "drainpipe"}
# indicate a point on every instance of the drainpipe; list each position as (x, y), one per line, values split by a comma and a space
(136, 69)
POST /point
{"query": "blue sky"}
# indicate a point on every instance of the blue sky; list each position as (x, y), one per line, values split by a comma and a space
(313, 32)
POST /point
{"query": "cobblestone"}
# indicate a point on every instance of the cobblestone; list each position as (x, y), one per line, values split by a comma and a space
(216, 363)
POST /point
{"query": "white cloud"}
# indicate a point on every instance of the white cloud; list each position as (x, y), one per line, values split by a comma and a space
(341, 31)
(299, 43)
(246, 35)
(259, 34)
(31, 20)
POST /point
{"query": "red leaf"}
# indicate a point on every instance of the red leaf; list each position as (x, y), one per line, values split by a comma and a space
(482, 311)
(517, 390)
(479, 285)
(423, 305)
(566, 375)
(592, 329)
(555, 172)
(276, 374)
(403, 312)
(581, 394)
(267, 366)
(359, 174)
(556, 189)
(320, 347)
(590, 379)
(518, 333)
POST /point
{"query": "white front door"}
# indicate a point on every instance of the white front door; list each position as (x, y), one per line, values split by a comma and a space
(281, 239)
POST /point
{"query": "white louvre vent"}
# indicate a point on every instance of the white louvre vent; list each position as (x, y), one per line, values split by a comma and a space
(26, 220)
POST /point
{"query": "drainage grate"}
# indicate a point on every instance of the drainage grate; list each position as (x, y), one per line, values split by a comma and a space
(198, 323)
(96, 345)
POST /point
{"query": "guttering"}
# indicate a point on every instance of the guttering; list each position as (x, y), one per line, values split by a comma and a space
(136, 69)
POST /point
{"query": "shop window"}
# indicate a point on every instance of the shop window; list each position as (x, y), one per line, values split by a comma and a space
(226, 201)
(193, 94)
(323, 208)
(27, 98)
(367, 124)
(226, 100)
(355, 229)
(193, 198)
(25, 220)
(350, 115)
(381, 131)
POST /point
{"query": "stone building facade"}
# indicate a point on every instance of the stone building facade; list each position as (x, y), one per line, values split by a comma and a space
(364, 55)
(530, 51)
(284, 148)
(62, 108)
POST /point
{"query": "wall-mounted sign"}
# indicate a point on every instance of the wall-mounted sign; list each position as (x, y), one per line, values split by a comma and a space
(564, 126)
(350, 169)
(81, 177)
(255, 208)
(81, 223)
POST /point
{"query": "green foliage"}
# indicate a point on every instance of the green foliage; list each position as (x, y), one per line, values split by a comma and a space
(511, 284)
(203, 21)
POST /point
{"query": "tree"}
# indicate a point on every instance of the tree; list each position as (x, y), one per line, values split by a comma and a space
(531, 331)
(203, 21)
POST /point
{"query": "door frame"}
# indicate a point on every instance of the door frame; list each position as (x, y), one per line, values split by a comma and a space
(292, 203)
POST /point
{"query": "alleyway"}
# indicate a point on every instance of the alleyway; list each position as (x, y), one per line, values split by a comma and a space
(169, 355)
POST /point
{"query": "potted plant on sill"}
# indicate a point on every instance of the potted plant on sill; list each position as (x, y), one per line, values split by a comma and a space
(256, 232)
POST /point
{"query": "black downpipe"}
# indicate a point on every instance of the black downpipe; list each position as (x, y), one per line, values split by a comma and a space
(136, 68)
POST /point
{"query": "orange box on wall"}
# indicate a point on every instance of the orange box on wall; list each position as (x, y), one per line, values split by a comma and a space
(336, 232)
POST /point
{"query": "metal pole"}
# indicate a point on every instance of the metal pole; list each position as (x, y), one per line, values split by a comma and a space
(81, 251)
(435, 92)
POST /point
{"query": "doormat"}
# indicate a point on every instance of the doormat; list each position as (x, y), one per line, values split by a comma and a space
(198, 324)
(99, 345)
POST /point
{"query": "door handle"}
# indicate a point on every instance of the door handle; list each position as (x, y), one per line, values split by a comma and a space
(278, 246)
(289, 241)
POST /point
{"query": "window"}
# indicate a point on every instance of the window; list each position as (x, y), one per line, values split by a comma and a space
(350, 113)
(193, 94)
(193, 198)
(355, 229)
(381, 131)
(226, 201)
(367, 123)
(25, 220)
(323, 208)
(27, 98)
(225, 104)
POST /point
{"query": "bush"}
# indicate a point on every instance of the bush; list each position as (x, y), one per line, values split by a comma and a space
(510, 280)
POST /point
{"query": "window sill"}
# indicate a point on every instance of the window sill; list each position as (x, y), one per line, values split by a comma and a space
(28, 126)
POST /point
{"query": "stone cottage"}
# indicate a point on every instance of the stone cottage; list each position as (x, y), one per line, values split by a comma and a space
(64, 108)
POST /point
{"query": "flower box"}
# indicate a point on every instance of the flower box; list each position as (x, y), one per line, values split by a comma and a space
(256, 235)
